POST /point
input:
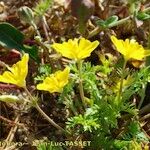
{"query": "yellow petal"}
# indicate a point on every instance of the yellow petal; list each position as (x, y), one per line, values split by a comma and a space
(67, 49)
(118, 44)
(62, 75)
(86, 47)
(130, 49)
(17, 73)
(147, 53)
(75, 49)
(48, 85)
(55, 82)
(7, 77)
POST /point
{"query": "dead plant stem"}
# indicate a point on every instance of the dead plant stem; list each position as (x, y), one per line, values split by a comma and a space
(35, 104)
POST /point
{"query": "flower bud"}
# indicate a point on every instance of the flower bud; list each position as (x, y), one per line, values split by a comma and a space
(9, 98)
(26, 14)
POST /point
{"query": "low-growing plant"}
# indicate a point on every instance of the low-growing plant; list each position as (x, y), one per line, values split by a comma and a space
(96, 107)
(101, 103)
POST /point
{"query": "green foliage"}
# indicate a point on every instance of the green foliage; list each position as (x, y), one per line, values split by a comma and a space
(134, 128)
(42, 7)
(86, 121)
(106, 111)
(134, 6)
(128, 145)
(141, 77)
(129, 108)
(102, 113)
(101, 140)
(134, 132)
(43, 71)
(11, 38)
(48, 146)
(107, 61)
(143, 16)
(108, 22)
(90, 82)
(121, 144)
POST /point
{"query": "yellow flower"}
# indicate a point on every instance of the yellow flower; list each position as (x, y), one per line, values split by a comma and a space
(76, 49)
(17, 73)
(130, 49)
(55, 82)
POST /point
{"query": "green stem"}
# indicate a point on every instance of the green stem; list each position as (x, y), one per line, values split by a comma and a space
(42, 112)
(36, 30)
(122, 21)
(29, 94)
(71, 106)
(40, 39)
(79, 63)
(121, 82)
(148, 45)
(73, 109)
(82, 28)
(142, 96)
(98, 29)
